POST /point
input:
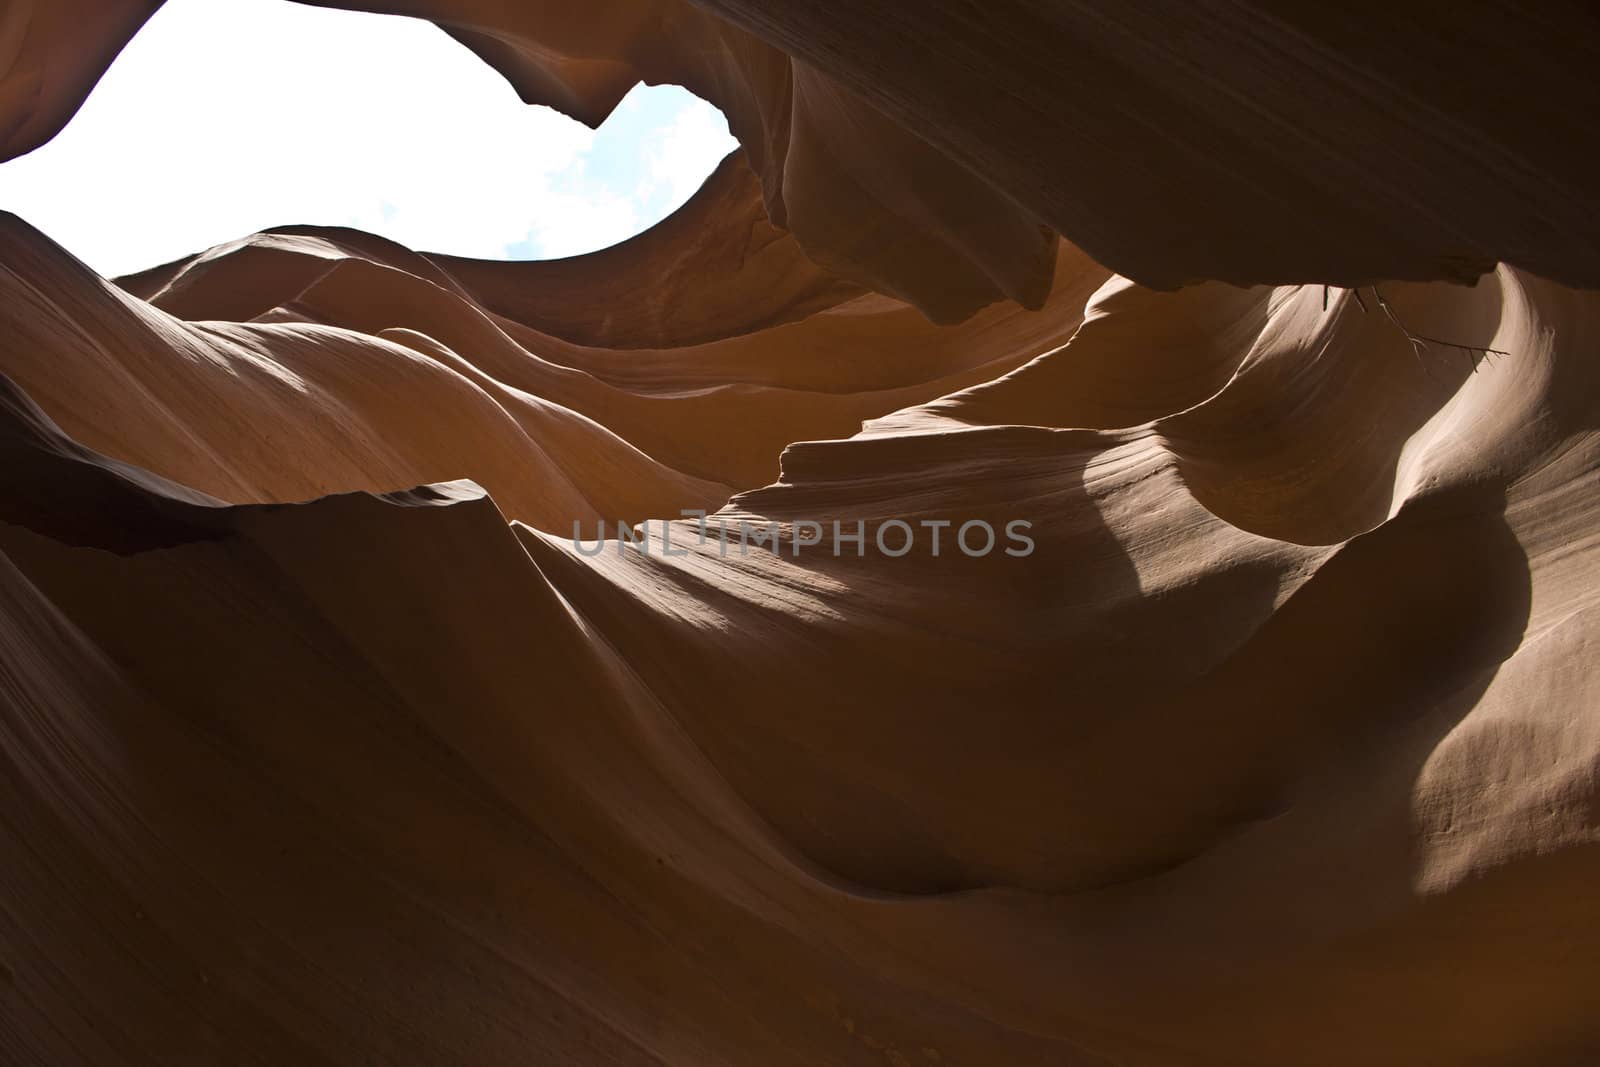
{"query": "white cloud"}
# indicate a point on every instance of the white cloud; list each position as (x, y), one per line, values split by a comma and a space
(220, 119)
(675, 161)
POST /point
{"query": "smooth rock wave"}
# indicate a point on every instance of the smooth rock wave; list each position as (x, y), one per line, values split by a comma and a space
(324, 742)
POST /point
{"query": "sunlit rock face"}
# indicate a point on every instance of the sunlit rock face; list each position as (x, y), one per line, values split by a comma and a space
(326, 742)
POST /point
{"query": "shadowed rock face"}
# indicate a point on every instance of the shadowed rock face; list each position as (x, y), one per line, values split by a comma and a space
(324, 742)
(931, 150)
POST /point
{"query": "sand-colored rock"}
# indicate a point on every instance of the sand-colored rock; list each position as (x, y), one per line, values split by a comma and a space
(324, 743)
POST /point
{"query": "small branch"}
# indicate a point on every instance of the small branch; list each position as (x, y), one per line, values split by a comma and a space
(1418, 348)
(1420, 342)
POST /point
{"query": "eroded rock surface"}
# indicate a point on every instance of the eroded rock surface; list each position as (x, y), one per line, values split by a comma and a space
(324, 742)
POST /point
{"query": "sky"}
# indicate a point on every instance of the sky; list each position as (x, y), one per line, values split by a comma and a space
(221, 119)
